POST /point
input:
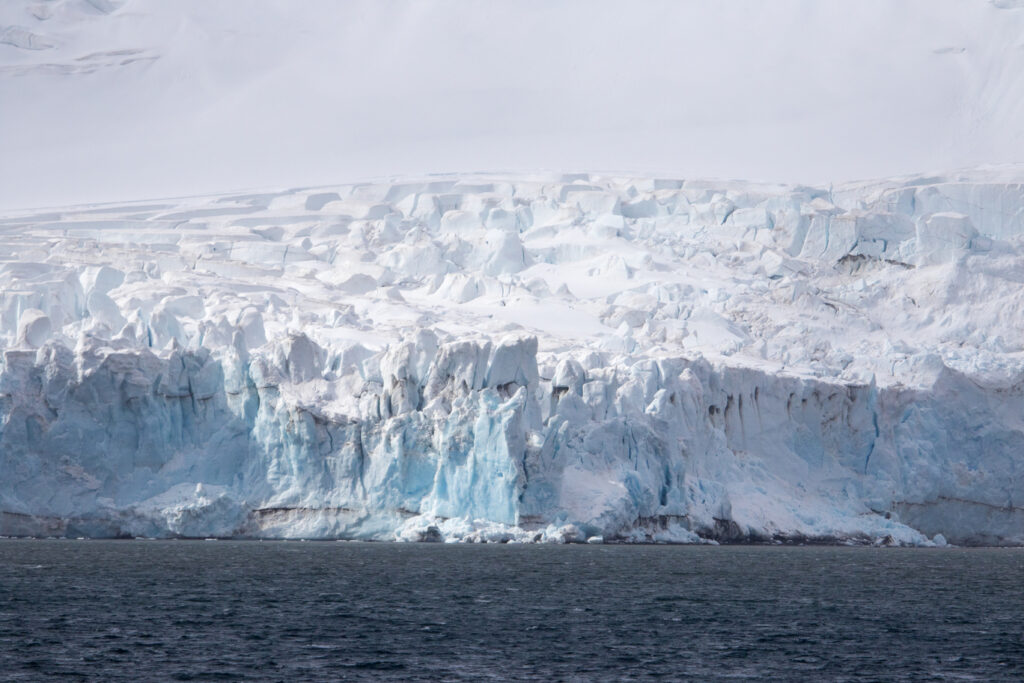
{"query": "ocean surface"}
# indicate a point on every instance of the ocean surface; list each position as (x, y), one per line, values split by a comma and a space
(293, 611)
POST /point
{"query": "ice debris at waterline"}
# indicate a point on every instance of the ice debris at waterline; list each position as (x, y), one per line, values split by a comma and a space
(521, 359)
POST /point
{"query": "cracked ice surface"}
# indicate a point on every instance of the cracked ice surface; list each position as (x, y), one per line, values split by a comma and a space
(521, 358)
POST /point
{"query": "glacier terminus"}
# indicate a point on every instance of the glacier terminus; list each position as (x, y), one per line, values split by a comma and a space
(521, 358)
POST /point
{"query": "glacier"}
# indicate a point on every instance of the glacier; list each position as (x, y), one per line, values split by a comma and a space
(521, 358)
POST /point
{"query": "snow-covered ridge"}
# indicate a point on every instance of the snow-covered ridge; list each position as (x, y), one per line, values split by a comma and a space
(521, 358)
(108, 100)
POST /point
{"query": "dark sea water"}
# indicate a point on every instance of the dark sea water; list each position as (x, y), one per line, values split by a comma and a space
(194, 610)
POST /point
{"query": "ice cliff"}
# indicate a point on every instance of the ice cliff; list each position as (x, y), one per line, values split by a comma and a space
(529, 358)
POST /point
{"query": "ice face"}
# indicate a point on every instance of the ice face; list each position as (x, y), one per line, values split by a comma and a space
(639, 360)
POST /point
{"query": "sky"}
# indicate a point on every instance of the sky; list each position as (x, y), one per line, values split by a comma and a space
(113, 100)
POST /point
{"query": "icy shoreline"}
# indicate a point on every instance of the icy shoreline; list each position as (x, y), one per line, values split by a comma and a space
(574, 357)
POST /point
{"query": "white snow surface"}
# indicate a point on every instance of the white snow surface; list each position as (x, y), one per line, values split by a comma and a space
(107, 100)
(521, 358)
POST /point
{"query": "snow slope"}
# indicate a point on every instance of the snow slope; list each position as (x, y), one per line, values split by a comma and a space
(521, 358)
(108, 100)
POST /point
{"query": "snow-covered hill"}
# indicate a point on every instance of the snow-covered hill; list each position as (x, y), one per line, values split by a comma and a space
(109, 100)
(517, 355)
(500, 357)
